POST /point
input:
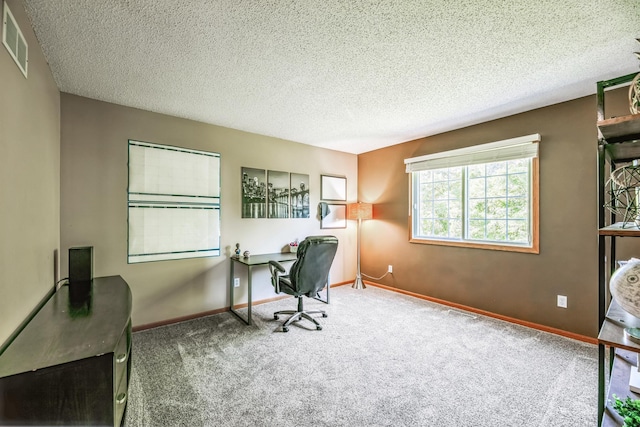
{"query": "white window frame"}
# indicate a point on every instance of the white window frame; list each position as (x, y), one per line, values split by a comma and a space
(19, 49)
(525, 147)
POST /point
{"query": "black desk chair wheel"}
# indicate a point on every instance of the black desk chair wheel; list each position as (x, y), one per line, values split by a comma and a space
(308, 275)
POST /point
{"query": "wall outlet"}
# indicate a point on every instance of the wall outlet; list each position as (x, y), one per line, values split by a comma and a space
(390, 269)
(562, 301)
(236, 282)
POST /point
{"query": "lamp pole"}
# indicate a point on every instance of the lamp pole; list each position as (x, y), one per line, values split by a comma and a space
(358, 284)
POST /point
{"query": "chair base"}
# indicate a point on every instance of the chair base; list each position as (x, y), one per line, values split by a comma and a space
(298, 315)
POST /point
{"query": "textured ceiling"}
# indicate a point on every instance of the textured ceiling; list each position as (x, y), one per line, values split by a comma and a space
(349, 75)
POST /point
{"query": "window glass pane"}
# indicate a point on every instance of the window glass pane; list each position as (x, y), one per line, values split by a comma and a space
(426, 208)
(455, 174)
(475, 171)
(477, 208)
(477, 188)
(441, 228)
(476, 229)
(441, 209)
(440, 175)
(440, 190)
(426, 176)
(497, 186)
(518, 184)
(518, 165)
(455, 189)
(499, 168)
(455, 209)
(517, 209)
(518, 231)
(426, 228)
(455, 228)
(497, 208)
(496, 230)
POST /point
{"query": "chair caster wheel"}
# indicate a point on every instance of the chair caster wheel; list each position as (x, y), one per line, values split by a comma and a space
(325, 315)
(276, 317)
(319, 328)
(285, 329)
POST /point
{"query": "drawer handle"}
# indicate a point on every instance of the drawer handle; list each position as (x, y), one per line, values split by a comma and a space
(121, 358)
(121, 398)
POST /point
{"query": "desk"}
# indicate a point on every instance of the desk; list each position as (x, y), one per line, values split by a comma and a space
(253, 261)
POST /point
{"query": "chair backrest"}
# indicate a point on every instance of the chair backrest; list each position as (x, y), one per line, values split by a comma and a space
(310, 272)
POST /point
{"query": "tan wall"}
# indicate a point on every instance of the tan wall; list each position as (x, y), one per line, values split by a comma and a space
(29, 180)
(522, 286)
(94, 203)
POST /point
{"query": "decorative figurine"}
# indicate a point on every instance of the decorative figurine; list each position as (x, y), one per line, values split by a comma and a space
(237, 251)
(246, 254)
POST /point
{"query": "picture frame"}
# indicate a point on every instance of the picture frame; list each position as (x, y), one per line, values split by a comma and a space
(299, 189)
(333, 188)
(336, 216)
(254, 193)
(277, 194)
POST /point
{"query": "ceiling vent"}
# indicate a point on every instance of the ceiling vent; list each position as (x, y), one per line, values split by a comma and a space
(14, 41)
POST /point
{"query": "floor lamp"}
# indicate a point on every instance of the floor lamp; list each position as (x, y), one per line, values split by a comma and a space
(359, 211)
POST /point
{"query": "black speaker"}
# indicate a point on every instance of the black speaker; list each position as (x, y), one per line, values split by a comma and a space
(80, 277)
(80, 264)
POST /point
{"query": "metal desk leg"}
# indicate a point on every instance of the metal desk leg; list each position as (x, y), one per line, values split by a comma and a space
(250, 274)
(231, 274)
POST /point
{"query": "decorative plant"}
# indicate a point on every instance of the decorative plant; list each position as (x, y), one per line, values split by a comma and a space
(629, 410)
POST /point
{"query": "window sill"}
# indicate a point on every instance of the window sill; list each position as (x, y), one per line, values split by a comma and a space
(489, 246)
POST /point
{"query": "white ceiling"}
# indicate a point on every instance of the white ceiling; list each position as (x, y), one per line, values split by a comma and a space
(349, 75)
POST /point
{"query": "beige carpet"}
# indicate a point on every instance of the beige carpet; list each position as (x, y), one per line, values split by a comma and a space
(382, 359)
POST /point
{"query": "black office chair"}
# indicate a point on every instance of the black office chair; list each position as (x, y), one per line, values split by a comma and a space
(308, 275)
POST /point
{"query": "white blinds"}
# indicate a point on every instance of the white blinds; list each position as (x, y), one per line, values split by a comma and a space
(509, 149)
(174, 203)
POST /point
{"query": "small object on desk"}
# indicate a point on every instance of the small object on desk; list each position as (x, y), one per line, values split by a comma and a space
(237, 251)
(246, 254)
(293, 247)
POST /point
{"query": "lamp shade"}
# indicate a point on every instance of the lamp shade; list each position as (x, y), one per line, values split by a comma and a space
(360, 211)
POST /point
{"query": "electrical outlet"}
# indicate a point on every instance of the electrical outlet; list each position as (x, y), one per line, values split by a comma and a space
(236, 282)
(390, 269)
(562, 301)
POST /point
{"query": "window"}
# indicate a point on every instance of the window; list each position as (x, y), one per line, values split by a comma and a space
(484, 196)
(173, 203)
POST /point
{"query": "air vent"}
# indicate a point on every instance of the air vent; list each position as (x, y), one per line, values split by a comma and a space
(14, 41)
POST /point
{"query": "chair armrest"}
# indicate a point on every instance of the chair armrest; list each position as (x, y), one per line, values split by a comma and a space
(276, 269)
(277, 266)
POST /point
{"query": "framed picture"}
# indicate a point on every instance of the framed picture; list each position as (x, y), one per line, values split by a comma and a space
(277, 194)
(336, 216)
(299, 195)
(333, 188)
(254, 193)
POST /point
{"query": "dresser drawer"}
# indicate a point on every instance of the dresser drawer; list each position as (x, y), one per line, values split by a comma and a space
(120, 402)
(121, 358)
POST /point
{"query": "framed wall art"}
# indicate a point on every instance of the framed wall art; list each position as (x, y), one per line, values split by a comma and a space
(254, 193)
(333, 188)
(277, 194)
(299, 195)
(336, 216)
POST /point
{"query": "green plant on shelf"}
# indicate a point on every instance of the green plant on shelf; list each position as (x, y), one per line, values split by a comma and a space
(629, 410)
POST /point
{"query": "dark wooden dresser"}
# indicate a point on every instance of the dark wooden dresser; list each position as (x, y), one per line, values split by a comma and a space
(71, 364)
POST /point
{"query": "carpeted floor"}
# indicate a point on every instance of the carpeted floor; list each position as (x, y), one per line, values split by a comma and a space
(382, 359)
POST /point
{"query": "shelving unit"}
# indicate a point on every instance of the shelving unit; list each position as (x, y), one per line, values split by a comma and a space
(618, 143)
